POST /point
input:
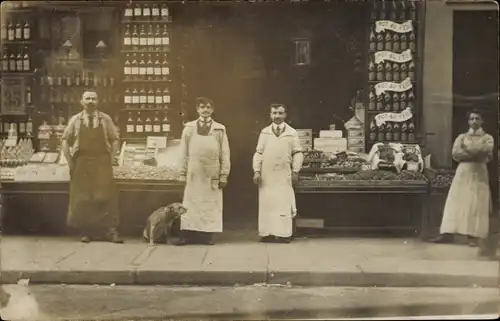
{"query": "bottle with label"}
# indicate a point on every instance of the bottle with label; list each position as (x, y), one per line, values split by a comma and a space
(396, 132)
(148, 125)
(402, 101)
(394, 11)
(404, 132)
(395, 42)
(388, 41)
(142, 66)
(388, 132)
(143, 98)
(411, 71)
(411, 41)
(411, 101)
(151, 98)
(371, 71)
(395, 102)
(135, 98)
(134, 67)
(382, 15)
(403, 42)
(374, 11)
(388, 71)
(3, 31)
(395, 72)
(5, 61)
(158, 98)
(27, 31)
(130, 124)
(143, 40)
(380, 71)
(165, 124)
(380, 103)
(11, 31)
(146, 12)
(127, 37)
(373, 40)
(380, 41)
(156, 124)
(371, 99)
(165, 69)
(135, 36)
(129, 12)
(26, 62)
(373, 130)
(165, 38)
(404, 71)
(18, 31)
(19, 62)
(402, 13)
(137, 12)
(381, 133)
(387, 101)
(150, 68)
(164, 14)
(151, 37)
(157, 37)
(155, 12)
(411, 131)
(139, 125)
(413, 11)
(166, 96)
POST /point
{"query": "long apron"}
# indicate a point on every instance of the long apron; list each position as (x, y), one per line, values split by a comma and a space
(276, 195)
(202, 195)
(93, 203)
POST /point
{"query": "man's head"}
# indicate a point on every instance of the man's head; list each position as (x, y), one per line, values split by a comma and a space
(89, 100)
(278, 113)
(475, 119)
(204, 107)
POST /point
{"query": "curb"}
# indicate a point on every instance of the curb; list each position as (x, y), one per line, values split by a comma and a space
(231, 278)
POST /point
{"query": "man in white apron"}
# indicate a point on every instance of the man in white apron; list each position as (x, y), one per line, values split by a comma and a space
(276, 164)
(205, 166)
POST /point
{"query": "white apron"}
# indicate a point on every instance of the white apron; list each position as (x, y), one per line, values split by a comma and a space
(276, 196)
(202, 195)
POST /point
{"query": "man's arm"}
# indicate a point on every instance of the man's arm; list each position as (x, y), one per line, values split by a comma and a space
(257, 157)
(225, 165)
(184, 153)
(67, 139)
(297, 156)
(114, 138)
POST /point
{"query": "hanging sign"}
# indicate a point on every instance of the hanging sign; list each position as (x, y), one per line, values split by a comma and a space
(381, 119)
(382, 87)
(404, 27)
(381, 56)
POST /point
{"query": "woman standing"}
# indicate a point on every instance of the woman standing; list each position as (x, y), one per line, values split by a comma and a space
(468, 203)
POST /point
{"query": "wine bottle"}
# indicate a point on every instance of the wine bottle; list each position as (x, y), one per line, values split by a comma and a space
(5, 61)
(165, 126)
(130, 124)
(374, 11)
(165, 38)
(373, 40)
(143, 40)
(3, 32)
(127, 97)
(395, 42)
(146, 12)
(165, 70)
(381, 133)
(371, 99)
(10, 31)
(157, 67)
(135, 36)
(395, 102)
(411, 131)
(27, 31)
(402, 101)
(413, 11)
(388, 71)
(388, 41)
(139, 126)
(156, 124)
(135, 97)
(411, 41)
(387, 101)
(157, 38)
(394, 11)
(18, 32)
(143, 98)
(404, 132)
(127, 38)
(403, 42)
(164, 12)
(129, 12)
(373, 130)
(395, 72)
(142, 66)
(382, 13)
(166, 96)
(151, 37)
(404, 71)
(26, 62)
(126, 68)
(396, 132)
(158, 97)
(371, 71)
(380, 41)
(150, 68)
(380, 103)
(388, 132)
(137, 12)
(380, 71)
(148, 127)
(134, 67)
(19, 62)
(151, 98)
(411, 71)
(402, 13)
(155, 12)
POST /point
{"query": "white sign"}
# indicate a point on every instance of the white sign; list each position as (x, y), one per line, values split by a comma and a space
(405, 56)
(406, 114)
(382, 87)
(156, 142)
(404, 27)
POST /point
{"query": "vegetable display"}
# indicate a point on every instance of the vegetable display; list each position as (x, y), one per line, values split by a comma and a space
(144, 172)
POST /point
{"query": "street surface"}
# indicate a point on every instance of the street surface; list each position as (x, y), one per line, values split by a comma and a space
(51, 302)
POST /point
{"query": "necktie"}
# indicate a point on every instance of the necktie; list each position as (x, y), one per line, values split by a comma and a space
(278, 130)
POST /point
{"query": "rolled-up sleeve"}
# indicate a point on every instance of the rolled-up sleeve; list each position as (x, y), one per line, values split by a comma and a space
(112, 132)
(297, 155)
(257, 157)
(69, 132)
(458, 153)
(487, 147)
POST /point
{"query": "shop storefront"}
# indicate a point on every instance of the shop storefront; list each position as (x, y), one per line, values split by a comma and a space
(349, 84)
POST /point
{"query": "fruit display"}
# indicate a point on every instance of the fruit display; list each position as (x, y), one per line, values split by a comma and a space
(331, 177)
(344, 160)
(378, 175)
(144, 172)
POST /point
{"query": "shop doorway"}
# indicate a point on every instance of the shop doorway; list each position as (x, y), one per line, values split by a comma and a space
(475, 76)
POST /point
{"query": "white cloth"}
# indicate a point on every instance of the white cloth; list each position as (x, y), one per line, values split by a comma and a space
(280, 126)
(276, 158)
(469, 200)
(205, 160)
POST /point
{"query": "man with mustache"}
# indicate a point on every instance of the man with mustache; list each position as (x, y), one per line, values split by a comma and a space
(93, 202)
(205, 166)
(276, 163)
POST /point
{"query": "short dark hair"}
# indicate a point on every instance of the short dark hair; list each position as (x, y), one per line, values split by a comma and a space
(476, 112)
(276, 105)
(204, 101)
(89, 89)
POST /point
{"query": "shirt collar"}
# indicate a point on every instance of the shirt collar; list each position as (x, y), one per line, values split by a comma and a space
(208, 121)
(478, 132)
(86, 114)
(280, 126)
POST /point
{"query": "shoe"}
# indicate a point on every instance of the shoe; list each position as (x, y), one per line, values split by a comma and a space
(442, 239)
(180, 242)
(284, 240)
(267, 239)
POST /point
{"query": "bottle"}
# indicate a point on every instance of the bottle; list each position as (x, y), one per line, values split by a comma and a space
(381, 133)
(135, 36)
(403, 42)
(77, 79)
(127, 37)
(10, 31)
(374, 11)
(135, 97)
(388, 71)
(5, 62)
(402, 101)
(156, 124)
(387, 101)
(380, 41)
(139, 126)
(394, 11)
(27, 31)
(396, 132)
(404, 132)
(373, 130)
(19, 31)
(380, 72)
(134, 67)
(388, 41)
(165, 70)
(411, 131)
(148, 126)
(164, 14)
(382, 13)
(404, 71)
(142, 66)
(97, 81)
(395, 102)
(157, 67)
(380, 103)
(29, 97)
(158, 97)
(413, 11)
(151, 97)
(143, 98)
(130, 124)
(388, 132)
(29, 125)
(411, 71)
(26, 62)
(371, 99)
(3, 32)
(151, 37)
(411, 101)
(157, 41)
(371, 71)
(137, 12)
(395, 72)
(166, 96)
(143, 40)
(165, 125)
(373, 40)
(149, 68)
(69, 80)
(59, 80)
(411, 41)
(22, 128)
(126, 68)
(146, 12)
(129, 12)
(165, 38)
(155, 12)
(395, 42)
(19, 62)
(402, 13)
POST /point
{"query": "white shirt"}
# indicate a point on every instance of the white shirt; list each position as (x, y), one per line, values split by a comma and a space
(202, 120)
(280, 126)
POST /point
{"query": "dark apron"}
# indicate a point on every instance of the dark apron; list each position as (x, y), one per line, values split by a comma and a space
(93, 202)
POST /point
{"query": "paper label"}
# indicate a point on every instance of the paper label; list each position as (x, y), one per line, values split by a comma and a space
(381, 119)
(381, 56)
(405, 85)
(404, 27)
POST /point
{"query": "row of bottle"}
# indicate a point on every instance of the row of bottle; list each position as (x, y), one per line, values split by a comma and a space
(77, 79)
(404, 132)
(18, 32)
(146, 12)
(395, 10)
(157, 67)
(388, 102)
(391, 71)
(55, 96)
(147, 123)
(138, 37)
(16, 63)
(392, 41)
(20, 127)
(139, 97)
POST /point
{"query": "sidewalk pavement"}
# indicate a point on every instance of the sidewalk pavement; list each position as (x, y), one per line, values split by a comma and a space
(398, 262)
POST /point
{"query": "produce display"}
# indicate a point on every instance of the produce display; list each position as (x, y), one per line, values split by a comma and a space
(367, 175)
(440, 178)
(144, 172)
(340, 161)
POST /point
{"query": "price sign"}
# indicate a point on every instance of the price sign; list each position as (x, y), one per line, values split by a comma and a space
(13, 96)
(156, 142)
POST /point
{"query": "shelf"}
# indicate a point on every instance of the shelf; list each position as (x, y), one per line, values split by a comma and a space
(144, 109)
(146, 51)
(399, 21)
(143, 21)
(145, 81)
(413, 53)
(392, 141)
(16, 42)
(382, 81)
(376, 112)
(16, 74)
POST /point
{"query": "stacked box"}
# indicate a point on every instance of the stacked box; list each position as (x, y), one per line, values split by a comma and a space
(330, 142)
(305, 138)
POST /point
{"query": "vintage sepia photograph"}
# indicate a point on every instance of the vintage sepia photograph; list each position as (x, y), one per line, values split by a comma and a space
(249, 160)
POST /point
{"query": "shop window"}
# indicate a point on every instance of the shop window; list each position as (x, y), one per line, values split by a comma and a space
(302, 55)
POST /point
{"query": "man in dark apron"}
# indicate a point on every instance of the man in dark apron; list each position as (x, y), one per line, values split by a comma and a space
(93, 203)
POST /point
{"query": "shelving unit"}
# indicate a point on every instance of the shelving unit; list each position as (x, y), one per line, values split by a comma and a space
(393, 65)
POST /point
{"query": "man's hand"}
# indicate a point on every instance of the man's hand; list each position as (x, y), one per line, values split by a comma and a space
(295, 178)
(257, 178)
(222, 182)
